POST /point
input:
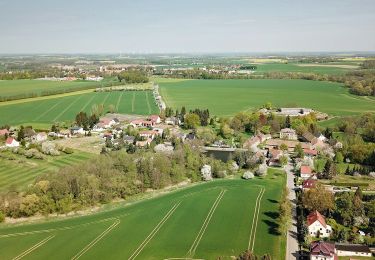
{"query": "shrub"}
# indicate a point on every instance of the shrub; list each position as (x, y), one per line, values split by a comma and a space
(2, 217)
(68, 150)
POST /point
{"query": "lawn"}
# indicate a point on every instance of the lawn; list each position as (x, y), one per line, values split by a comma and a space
(16, 174)
(65, 108)
(27, 86)
(204, 221)
(227, 97)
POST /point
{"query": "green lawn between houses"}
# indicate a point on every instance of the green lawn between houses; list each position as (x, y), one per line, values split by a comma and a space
(166, 226)
(65, 108)
(227, 97)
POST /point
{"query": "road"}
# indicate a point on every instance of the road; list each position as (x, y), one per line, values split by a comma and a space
(292, 242)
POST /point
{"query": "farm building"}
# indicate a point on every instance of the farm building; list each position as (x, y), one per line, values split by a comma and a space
(352, 250)
(317, 225)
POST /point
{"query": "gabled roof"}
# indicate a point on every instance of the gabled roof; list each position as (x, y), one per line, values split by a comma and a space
(4, 131)
(9, 140)
(308, 136)
(288, 130)
(322, 248)
(308, 184)
(310, 151)
(316, 216)
(305, 169)
(353, 248)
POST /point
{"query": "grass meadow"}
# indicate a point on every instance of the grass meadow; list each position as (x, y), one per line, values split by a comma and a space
(65, 108)
(227, 97)
(26, 86)
(204, 221)
(17, 175)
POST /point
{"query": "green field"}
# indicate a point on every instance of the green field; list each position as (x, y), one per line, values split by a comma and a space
(227, 97)
(65, 108)
(220, 218)
(14, 174)
(25, 86)
(293, 67)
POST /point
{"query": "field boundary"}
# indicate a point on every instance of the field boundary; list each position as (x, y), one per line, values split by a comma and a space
(133, 100)
(153, 232)
(148, 103)
(255, 219)
(96, 240)
(58, 229)
(37, 245)
(201, 232)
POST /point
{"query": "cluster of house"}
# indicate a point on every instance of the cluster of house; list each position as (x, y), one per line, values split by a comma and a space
(321, 250)
(29, 135)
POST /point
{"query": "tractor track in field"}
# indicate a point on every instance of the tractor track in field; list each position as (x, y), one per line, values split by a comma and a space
(154, 231)
(255, 220)
(201, 232)
(34, 247)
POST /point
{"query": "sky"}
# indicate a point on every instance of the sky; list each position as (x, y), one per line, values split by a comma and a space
(181, 26)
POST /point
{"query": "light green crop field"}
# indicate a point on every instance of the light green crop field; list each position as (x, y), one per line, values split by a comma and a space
(205, 221)
(16, 175)
(329, 69)
(227, 97)
(25, 86)
(65, 108)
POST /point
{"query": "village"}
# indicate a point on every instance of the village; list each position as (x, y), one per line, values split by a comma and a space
(297, 153)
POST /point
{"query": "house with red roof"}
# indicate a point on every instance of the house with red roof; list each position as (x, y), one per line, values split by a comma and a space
(317, 225)
(155, 119)
(11, 142)
(310, 152)
(320, 250)
(306, 172)
(4, 132)
(308, 184)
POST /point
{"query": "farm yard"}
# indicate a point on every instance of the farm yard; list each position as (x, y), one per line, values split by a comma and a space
(228, 217)
(227, 97)
(65, 108)
(27, 86)
(16, 174)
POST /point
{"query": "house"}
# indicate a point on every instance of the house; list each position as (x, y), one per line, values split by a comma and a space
(317, 143)
(75, 130)
(11, 142)
(128, 139)
(288, 133)
(29, 133)
(320, 250)
(40, 137)
(159, 131)
(321, 137)
(353, 250)
(308, 184)
(306, 172)
(310, 152)
(145, 143)
(172, 121)
(251, 143)
(317, 225)
(137, 123)
(274, 156)
(308, 137)
(4, 132)
(155, 119)
(148, 134)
